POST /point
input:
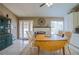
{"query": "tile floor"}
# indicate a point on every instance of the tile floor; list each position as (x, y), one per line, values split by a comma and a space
(20, 47)
(15, 48)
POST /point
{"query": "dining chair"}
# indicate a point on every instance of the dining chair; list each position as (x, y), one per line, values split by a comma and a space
(60, 33)
(31, 41)
(68, 35)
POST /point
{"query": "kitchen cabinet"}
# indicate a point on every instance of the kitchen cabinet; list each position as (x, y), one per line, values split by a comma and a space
(73, 21)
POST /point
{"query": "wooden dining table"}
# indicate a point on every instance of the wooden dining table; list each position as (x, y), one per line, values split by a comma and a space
(52, 43)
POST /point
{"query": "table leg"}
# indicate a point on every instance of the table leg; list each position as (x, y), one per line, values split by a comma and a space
(38, 50)
(63, 51)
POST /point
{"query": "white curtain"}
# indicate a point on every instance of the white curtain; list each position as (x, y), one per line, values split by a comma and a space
(56, 26)
(24, 26)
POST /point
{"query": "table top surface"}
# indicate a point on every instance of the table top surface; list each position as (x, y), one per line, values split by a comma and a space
(52, 37)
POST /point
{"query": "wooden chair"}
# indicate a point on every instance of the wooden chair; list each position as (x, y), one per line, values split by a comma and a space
(68, 36)
(31, 40)
(60, 33)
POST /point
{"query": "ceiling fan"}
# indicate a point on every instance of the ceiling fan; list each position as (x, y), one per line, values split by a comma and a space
(42, 4)
(48, 4)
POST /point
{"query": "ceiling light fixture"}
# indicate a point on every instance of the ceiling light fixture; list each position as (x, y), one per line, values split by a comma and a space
(49, 4)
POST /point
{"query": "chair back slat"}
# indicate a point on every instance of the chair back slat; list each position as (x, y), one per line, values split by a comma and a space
(31, 38)
(68, 34)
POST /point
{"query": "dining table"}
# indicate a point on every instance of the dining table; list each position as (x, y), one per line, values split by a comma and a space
(50, 43)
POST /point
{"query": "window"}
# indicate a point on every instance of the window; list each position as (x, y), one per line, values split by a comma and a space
(56, 26)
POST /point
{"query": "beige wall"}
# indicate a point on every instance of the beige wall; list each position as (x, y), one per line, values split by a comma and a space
(35, 20)
(4, 11)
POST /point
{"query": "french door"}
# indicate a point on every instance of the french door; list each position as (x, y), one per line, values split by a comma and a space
(24, 26)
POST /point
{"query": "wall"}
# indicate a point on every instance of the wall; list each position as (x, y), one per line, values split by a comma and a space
(4, 11)
(68, 23)
(71, 21)
(47, 19)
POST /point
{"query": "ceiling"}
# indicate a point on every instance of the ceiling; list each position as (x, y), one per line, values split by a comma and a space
(34, 9)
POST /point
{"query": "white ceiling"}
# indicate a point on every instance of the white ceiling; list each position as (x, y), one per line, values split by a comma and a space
(34, 9)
